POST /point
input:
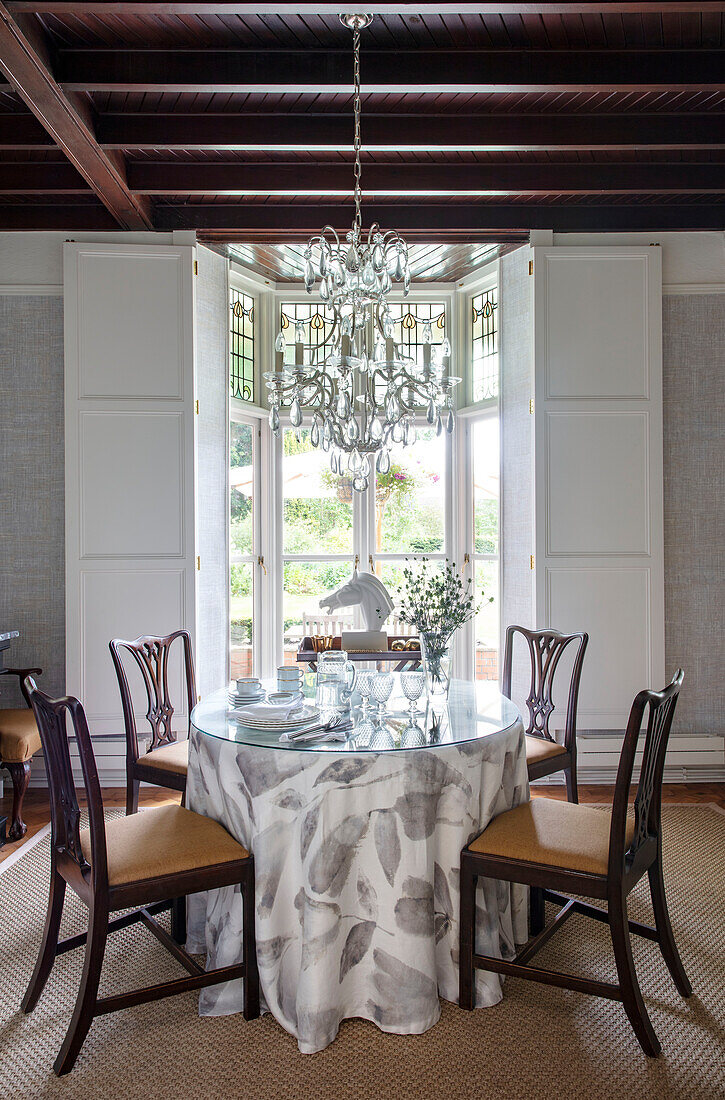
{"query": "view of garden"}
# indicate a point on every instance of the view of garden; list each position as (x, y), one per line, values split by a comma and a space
(318, 521)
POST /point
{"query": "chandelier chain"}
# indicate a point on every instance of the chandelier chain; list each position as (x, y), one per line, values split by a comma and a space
(362, 388)
(357, 113)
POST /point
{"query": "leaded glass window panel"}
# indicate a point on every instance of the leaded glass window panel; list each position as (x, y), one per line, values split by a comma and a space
(309, 324)
(241, 344)
(484, 345)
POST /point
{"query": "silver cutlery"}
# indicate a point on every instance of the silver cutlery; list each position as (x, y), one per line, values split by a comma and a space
(337, 724)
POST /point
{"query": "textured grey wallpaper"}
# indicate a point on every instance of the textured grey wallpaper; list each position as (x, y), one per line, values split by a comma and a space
(32, 552)
(694, 464)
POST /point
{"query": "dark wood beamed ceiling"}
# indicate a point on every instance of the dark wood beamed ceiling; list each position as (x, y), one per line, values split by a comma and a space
(400, 7)
(421, 180)
(479, 121)
(448, 221)
(402, 132)
(25, 61)
(314, 72)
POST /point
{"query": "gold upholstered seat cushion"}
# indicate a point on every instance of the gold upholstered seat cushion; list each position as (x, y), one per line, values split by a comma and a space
(163, 841)
(168, 758)
(551, 833)
(19, 737)
(540, 748)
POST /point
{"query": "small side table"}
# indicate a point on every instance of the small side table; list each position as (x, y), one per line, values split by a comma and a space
(403, 660)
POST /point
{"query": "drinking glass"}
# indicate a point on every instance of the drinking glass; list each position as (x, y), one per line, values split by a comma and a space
(412, 684)
(382, 687)
(363, 686)
(381, 739)
(413, 736)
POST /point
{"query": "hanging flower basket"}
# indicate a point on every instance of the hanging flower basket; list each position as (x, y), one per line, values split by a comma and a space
(344, 490)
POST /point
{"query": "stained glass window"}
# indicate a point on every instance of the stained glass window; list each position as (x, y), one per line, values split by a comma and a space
(484, 345)
(409, 327)
(307, 323)
(410, 320)
(241, 344)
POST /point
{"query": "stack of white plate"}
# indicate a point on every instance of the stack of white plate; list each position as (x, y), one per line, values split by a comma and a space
(236, 700)
(302, 717)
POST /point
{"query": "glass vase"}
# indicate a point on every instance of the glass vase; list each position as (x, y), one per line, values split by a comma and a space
(437, 654)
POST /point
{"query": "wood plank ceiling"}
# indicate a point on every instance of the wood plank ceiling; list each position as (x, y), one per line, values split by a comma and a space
(479, 121)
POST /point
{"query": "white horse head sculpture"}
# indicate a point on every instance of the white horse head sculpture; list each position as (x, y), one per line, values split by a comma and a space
(364, 589)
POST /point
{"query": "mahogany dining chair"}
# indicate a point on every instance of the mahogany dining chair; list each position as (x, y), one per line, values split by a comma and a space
(132, 863)
(166, 760)
(544, 754)
(562, 847)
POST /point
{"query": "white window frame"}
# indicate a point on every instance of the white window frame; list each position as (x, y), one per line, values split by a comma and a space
(484, 279)
(268, 631)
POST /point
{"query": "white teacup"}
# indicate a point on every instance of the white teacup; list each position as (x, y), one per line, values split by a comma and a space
(248, 685)
(289, 678)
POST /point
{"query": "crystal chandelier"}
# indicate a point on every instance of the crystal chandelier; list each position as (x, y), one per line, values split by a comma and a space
(363, 390)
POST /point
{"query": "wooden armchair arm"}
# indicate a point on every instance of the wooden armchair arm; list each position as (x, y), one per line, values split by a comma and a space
(21, 673)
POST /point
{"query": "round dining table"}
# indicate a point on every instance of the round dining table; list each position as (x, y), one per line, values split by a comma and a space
(356, 847)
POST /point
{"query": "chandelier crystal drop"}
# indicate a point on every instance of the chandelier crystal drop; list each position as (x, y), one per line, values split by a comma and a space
(363, 390)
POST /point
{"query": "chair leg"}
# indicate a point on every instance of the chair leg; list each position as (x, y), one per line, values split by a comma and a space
(664, 929)
(467, 939)
(87, 994)
(629, 986)
(251, 973)
(46, 956)
(178, 920)
(572, 792)
(537, 912)
(20, 775)
(132, 787)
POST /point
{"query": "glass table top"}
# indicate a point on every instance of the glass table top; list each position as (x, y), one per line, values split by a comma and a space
(474, 710)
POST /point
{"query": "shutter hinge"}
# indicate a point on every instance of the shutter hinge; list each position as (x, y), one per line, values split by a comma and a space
(531, 562)
(531, 405)
(197, 406)
(196, 267)
(531, 267)
(198, 561)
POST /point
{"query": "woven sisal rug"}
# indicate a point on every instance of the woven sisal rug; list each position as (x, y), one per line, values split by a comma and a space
(538, 1042)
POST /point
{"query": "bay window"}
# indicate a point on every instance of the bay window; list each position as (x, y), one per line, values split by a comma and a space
(297, 530)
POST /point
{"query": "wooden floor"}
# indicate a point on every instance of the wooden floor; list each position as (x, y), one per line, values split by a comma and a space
(37, 806)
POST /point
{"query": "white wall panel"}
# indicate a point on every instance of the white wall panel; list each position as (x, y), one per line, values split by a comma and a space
(597, 324)
(616, 603)
(598, 495)
(130, 462)
(145, 287)
(122, 603)
(597, 481)
(146, 451)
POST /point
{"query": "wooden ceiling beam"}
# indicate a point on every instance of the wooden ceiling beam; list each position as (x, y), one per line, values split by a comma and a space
(23, 132)
(440, 222)
(66, 218)
(430, 71)
(25, 61)
(399, 132)
(398, 7)
(423, 179)
(41, 178)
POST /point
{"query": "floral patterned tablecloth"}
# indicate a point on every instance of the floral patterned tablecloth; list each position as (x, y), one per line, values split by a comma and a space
(357, 877)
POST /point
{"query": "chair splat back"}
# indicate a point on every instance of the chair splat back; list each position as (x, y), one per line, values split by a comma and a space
(545, 650)
(50, 715)
(648, 799)
(151, 654)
